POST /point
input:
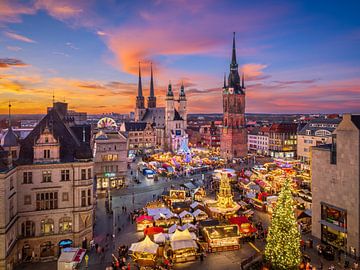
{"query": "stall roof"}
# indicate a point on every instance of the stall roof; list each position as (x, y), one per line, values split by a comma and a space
(181, 244)
(198, 212)
(153, 230)
(184, 213)
(181, 235)
(161, 237)
(196, 204)
(225, 231)
(155, 211)
(181, 205)
(146, 245)
(144, 217)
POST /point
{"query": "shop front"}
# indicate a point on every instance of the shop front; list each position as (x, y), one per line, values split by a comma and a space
(333, 226)
(222, 238)
(105, 181)
(47, 249)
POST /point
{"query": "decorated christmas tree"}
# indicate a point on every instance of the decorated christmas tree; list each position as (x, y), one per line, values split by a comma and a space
(282, 250)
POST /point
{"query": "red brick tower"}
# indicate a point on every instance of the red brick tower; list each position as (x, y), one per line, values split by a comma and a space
(234, 134)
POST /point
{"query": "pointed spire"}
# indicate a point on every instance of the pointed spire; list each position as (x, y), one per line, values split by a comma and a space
(243, 81)
(224, 79)
(9, 120)
(140, 94)
(53, 97)
(182, 89)
(170, 92)
(233, 58)
(152, 92)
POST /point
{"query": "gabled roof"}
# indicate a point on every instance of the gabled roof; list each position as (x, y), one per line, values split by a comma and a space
(177, 116)
(316, 124)
(135, 126)
(72, 144)
(155, 115)
(9, 138)
(284, 128)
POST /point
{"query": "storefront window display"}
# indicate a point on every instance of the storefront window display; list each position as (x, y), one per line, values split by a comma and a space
(333, 215)
(65, 225)
(333, 237)
(47, 226)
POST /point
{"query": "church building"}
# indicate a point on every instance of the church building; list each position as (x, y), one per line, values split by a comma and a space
(169, 122)
(234, 134)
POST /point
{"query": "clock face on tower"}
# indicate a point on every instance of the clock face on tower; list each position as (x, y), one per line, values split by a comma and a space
(231, 90)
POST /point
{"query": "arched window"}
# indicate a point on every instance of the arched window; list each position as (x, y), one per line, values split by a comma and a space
(225, 122)
(28, 229)
(65, 225)
(47, 226)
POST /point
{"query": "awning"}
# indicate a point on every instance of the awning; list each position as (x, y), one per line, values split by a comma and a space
(181, 244)
(145, 246)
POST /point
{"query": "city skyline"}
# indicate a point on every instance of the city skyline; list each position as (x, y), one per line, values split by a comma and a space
(297, 57)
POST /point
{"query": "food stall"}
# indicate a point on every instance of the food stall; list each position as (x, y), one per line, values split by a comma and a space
(70, 258)
(144, 252)
(172, 219)
(183, 247)
(186, 217)
(160, 220)
(199, 194)
(199, 215)
(222, 237)
(143, 222)
(245, 226)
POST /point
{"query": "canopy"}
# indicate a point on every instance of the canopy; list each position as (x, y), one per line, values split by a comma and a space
(181, 244)
(173, 228)
(239, 220)
(305, 214)
(144, 217)
(155, 211)
(160, 237)
(153, 230)
(188, 226)
(159, 216)
(145, 245)
(196, 204)
(181, 235)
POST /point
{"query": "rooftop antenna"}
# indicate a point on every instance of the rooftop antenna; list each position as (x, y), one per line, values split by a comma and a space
(53, 97)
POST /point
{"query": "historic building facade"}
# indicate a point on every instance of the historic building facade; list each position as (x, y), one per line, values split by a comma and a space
(335, 187)
(169, 122)
(110, 157)
(282, 140)
(318, 131)
(234, 134)
(46, 192)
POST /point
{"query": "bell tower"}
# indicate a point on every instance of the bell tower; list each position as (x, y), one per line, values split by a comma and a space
(140, 101)
(234, 134)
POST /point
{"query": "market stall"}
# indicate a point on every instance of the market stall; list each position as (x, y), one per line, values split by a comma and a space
(183, 247)
(143, 222)
(144, 252)
(222, 237)
(200, 215)
(186, 217)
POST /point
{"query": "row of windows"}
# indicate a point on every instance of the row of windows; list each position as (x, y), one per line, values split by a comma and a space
(47, 227)
(27, 199)
(110, 157)
(111, 168)
(47, 176)
(140, 140)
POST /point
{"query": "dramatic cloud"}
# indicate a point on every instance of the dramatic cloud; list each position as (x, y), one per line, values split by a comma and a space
(11, 11)
(19, 37)
(9, 62)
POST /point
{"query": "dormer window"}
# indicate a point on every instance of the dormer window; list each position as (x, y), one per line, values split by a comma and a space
(46, 139)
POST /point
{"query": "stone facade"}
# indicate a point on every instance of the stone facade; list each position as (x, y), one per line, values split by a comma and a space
(282, 140)
(234, 134)
(110, 157)
(336, 186)
(46, 194)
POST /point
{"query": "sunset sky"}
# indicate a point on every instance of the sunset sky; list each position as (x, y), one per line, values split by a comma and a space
(298, 56)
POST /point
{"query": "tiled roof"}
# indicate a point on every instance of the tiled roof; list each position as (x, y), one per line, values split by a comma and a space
(316, 124)
(74, 141)
(284, 128)
(135, 126)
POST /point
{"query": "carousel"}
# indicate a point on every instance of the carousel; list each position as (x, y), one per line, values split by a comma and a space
(144, 253)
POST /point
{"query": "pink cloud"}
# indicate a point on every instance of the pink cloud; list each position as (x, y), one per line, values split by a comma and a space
(11, 11)
(19, 37)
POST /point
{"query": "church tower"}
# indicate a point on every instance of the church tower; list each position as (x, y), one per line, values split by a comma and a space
(234, 134)
(140, 102)
(182, 104)
(152, 98)
(169, 105)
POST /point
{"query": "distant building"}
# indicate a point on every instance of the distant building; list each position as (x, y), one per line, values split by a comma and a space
(46, 189)
(316, 132)
(258, 140)
(194, 135)
(336, 188)
(141, 136)
(234, 133)
(169, 122)
(210, 135)
(282, 140)
(110, 157)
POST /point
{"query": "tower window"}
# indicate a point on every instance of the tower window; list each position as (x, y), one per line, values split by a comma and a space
(47, 153)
